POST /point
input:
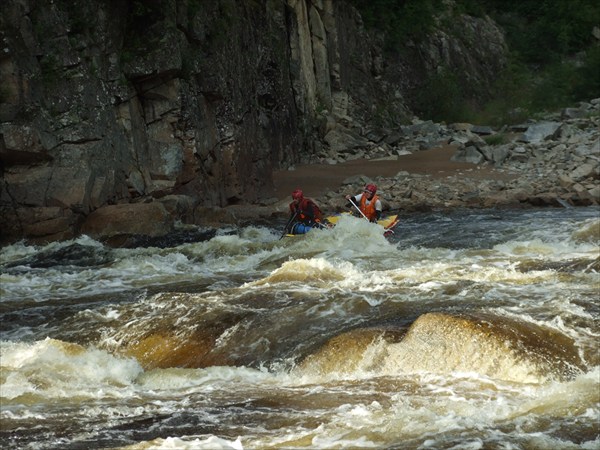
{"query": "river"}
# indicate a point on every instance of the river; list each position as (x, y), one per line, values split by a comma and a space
(463, 330)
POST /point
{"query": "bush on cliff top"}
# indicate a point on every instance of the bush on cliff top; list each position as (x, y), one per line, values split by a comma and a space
(555, 58)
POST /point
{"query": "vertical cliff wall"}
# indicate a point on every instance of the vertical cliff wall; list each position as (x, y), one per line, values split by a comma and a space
(183, 102)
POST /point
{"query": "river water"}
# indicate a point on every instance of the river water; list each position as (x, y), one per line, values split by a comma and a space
(464, 330)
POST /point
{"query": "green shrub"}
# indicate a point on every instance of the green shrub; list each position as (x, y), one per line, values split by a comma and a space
(496, 139)
(554, 58)
(543, 31)
(441, 98)
(400, 20)
(587, 83)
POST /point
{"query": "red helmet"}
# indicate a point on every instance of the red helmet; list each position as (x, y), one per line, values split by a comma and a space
(298, 194)
(371, 188)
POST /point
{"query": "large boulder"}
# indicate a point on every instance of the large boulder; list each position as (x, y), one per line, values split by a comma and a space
(541, 131)
(115, 223)
(38, 225)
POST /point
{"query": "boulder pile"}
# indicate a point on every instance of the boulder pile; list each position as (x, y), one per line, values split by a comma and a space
(550, 162)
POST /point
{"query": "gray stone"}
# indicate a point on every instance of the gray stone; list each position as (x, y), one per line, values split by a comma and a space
(584, 171)
(342, 140)
(499, 154)
(540, 132)
(595, 193)
(571, 113)
(482, 130)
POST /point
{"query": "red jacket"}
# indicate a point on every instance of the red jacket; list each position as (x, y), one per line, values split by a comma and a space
(307, 211)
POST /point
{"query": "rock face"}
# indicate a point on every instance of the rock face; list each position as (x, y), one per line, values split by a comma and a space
(120, 103)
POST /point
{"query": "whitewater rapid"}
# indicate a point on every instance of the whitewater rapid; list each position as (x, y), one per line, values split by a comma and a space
(465, 330)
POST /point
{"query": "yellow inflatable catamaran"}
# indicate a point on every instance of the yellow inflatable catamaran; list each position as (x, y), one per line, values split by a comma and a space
(388, 223)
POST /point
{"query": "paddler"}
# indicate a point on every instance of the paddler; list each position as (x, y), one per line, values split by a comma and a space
(305, 213)
(367, 202)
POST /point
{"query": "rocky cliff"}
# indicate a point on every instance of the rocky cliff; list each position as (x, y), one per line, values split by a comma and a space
(131, 115)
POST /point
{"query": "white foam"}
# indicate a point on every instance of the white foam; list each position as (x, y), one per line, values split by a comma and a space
(199, 379)
(549, 250)
(56, 369)
(203, 443)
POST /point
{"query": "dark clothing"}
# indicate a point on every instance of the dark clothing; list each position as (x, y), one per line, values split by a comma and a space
(307, 212)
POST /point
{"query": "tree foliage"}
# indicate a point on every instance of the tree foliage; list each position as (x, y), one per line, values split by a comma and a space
(555, 58)
(544, 31)
(399, 20)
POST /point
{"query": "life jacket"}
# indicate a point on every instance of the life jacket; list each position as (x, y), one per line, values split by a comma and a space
(303, 209)
(369, 209)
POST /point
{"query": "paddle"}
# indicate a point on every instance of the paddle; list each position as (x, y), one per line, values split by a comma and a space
(287, 225)
(388, 230)
(358, 209)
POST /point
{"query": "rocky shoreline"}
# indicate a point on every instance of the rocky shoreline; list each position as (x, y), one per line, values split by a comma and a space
(551, 162)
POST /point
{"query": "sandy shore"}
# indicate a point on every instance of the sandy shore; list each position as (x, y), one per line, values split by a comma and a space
(317, 179)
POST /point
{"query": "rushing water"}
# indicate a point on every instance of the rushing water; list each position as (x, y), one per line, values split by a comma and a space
(466, 330)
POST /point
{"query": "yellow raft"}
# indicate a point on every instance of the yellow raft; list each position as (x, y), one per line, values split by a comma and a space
(388, 223)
